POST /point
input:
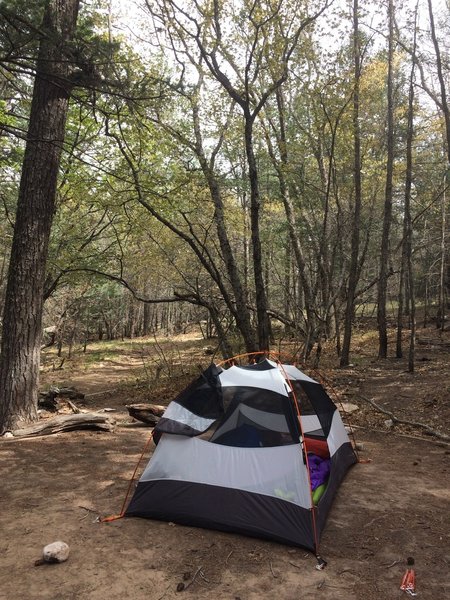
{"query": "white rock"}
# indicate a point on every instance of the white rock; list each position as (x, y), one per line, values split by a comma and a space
(56, 552)
(8, 434)
(389, 423)
(349, 408)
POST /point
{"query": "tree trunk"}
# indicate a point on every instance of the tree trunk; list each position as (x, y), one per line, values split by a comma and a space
(443, 104)
(281, 168)
(407, 268)
(400, 299)
(263, 322)
(387, 216)
(407, 265)
(444, 280)
(21, 340)
(239, 309)
(287, 284)
(147, 319)
(353, 275)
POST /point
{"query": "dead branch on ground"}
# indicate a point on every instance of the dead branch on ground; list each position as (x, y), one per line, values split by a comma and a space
(396, 420)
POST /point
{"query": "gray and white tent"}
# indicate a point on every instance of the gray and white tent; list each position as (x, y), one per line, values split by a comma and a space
(237, 450)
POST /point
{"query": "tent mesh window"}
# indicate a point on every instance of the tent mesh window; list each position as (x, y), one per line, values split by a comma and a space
(304, 403)
(256, 418)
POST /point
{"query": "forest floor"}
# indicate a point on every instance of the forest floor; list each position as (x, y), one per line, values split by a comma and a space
(395, 506)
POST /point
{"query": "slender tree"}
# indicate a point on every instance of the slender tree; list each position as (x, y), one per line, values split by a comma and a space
(387, 213)
(406, 275)
(444, 275)
(407, 264)
(355, 241)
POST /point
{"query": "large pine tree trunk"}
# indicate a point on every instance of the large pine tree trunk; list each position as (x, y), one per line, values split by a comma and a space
(20, 348)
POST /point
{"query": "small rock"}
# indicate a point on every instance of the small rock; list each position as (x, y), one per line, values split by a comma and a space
(359, 447)
(56, 552)
(8, 434)
(389, 423)
(349, 407)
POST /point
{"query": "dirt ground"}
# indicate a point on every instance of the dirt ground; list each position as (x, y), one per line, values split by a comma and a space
(395, 506)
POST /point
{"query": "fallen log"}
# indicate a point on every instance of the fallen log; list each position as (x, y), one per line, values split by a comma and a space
(147, 413)
(67, 423)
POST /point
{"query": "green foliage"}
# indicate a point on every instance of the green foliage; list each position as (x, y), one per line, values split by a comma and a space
(132, 189)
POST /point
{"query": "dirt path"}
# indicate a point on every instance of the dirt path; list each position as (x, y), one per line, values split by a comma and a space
(54, 487)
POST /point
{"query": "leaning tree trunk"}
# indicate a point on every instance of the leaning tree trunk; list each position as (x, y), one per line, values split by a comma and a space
(20, 348)
(238, 308)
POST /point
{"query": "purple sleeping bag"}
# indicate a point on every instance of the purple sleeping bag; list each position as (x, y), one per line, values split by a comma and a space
(319, 470)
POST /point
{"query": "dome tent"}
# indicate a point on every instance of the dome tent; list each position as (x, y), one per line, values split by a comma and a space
(236, 452)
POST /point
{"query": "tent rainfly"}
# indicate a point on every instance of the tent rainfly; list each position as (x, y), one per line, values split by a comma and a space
(259, 450)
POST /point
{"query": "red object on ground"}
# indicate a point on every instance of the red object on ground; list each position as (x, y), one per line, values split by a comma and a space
(409, 581)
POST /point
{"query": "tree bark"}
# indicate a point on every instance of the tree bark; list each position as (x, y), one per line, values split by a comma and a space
(400, 298)
(22, 318)
(263, 321)
(281, 167)
(67, 423)
(407, 267)
(239, 309)
(145, 412)
(387, 215)
(444, 279)
(353, 275)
